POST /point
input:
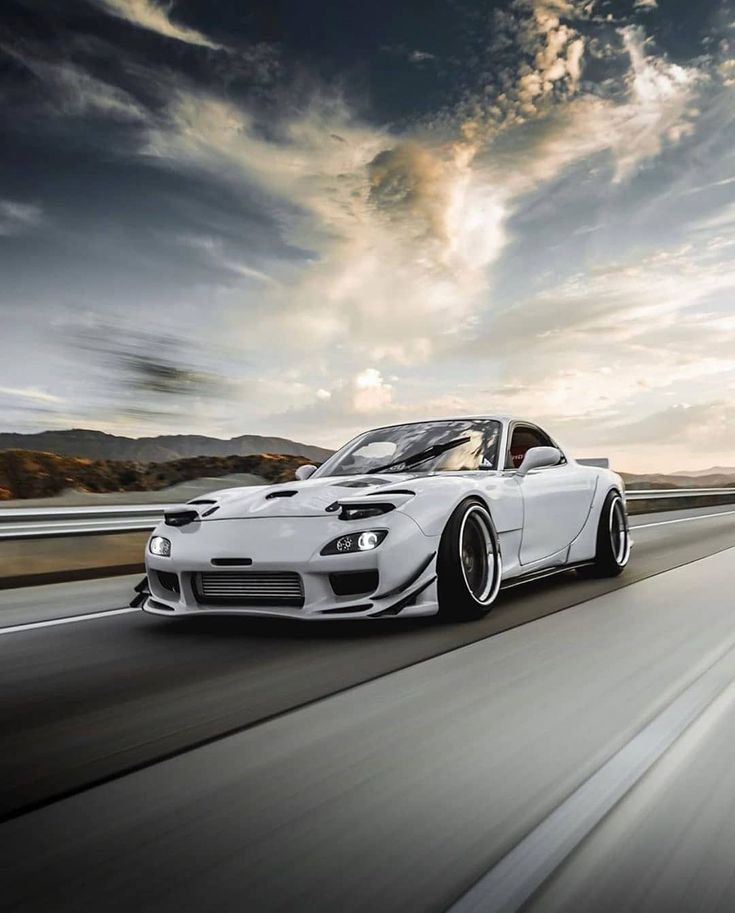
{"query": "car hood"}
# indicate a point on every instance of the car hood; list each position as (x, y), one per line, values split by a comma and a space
(310, 498)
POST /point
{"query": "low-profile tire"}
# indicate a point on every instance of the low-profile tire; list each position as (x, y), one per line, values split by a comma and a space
(613, 539)
(469, 565)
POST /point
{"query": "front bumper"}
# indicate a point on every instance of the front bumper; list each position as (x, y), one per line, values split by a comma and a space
(405, 563)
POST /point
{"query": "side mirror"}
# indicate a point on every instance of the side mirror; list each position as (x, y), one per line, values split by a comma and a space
(303, 472)
(536, 457)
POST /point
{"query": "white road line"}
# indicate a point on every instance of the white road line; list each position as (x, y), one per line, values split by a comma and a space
(14, 629)
(509, 884)
(722, 513)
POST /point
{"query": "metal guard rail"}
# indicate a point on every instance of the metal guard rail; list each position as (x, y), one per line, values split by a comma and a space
(43, 522)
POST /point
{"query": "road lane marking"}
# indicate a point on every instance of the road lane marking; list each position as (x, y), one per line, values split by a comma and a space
(507, 886)
(52, 622)
(722, 513)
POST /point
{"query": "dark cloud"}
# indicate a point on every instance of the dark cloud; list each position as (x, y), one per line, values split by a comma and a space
(145, 373)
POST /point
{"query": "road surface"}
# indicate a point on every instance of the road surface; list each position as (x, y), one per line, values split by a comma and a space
(232, 764)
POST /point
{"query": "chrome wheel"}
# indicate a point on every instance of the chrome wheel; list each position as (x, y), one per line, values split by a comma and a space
(479, 556)
(619, 535)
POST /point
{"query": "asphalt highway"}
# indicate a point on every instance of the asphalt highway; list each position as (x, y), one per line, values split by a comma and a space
(233, 764)
(83, 702)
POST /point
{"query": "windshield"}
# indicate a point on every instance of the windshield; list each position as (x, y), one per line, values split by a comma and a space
(457, 445)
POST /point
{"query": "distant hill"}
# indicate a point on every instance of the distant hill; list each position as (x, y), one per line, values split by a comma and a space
(714, 471)
(31, 474)
(96, 445)
(676, 480)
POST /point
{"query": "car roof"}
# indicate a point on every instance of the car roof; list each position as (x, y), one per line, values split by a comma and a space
(469, 417)
(504, 419)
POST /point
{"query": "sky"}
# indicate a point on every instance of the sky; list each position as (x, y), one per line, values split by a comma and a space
(310, 218)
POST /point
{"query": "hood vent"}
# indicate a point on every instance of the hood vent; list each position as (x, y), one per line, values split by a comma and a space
(280, 494)
(360, 483)
(387, 494)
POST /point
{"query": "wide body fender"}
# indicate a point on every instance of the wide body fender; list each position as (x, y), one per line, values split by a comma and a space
(584, 547)
(438, 496)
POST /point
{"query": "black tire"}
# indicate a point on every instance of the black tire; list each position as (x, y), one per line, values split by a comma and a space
(469, 565)
(613, 539)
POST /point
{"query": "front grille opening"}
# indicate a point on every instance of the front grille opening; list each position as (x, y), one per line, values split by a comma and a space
(231, 562)
(168, 581)
(347, 610)
(249, 588)
(354, 583)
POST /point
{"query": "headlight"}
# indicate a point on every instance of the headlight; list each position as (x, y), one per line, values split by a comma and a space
(160, 546)
(364, 541)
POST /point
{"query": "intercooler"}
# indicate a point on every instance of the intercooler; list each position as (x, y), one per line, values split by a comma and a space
(249, 588)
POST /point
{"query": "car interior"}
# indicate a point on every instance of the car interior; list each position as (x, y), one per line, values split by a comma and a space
(522, 439)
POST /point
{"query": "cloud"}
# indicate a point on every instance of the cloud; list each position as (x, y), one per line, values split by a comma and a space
(30, 393)
(661, 107)
(149, 14)
(656, 108)
(74, 91)
(410, 182)
(645, 4)
(537, 54)
(402, 232)
(18, 218)
(621, 340)
(399, 233)
(417, 56)
(438, 265)
(686, 436)
(146, 373)
(214, 249)
(370, 393)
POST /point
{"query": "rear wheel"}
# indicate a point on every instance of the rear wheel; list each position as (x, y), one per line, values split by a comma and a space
(469, 566)
(613, 539)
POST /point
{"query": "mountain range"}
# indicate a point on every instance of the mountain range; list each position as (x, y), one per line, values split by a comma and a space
(96, 445)
(713, 471)
(32, 474)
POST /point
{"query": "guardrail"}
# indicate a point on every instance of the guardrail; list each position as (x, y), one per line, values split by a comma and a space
(644, 494)
(43, 522)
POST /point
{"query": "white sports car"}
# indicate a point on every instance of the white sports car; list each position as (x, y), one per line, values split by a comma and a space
(423, 518)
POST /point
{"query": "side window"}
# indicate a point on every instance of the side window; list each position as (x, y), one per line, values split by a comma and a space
(523, 438)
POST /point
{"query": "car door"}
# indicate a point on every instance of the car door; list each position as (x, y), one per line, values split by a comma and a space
(556, 499)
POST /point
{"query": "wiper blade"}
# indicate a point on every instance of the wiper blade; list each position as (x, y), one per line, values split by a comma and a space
(413, 459)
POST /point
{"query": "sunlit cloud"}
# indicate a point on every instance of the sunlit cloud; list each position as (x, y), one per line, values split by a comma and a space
(155, 17)
(30, 393)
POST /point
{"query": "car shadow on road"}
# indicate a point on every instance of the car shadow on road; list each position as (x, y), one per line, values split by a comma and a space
(229, 626)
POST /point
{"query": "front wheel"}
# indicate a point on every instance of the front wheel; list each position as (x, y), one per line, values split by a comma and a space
(613, 539)
(469, 567)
